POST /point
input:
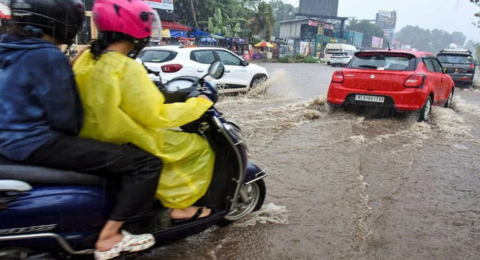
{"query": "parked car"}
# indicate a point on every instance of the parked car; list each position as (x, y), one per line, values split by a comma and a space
(401, 80)
(459, 64)
(176, 61)
(340, 59)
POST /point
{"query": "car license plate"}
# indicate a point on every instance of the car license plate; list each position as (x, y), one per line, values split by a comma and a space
(370, 98)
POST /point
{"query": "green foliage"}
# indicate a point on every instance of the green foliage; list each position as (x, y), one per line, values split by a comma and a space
(263, 20)
(305, 59)
(224, 25)
(430, 41)
(283, 12)
(284, 60)
(232, 18)
(368, 29)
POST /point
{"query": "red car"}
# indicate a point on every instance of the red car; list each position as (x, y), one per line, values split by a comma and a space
(402, 80)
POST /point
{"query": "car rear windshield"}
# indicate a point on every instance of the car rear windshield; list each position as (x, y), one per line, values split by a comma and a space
(157, 56)
(339, 54)
(455, 58)
(383, 61)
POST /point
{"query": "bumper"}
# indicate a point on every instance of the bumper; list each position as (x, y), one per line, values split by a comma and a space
(339, 62)
(411, 99)
(462, 77)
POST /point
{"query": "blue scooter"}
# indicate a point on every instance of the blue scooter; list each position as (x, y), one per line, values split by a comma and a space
(54, 214)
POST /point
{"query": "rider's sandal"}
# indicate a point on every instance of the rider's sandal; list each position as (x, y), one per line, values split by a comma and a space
(129, 243)
(194, 217)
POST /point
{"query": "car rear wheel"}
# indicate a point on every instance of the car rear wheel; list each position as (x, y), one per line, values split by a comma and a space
(450, 99)
(426, 111)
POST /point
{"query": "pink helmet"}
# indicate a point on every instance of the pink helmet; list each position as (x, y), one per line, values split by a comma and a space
(131, 17)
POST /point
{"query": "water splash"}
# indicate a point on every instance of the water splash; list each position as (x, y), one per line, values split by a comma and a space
(268, 214)
(450, 122)
(461, 106)
(278, 77)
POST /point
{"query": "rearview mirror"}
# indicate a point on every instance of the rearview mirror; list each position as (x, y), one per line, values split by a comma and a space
(244, 63)
(216, 70)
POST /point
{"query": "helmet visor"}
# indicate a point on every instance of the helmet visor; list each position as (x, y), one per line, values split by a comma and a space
(156, 28)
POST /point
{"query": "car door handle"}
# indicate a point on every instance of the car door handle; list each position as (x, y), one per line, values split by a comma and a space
(199, 70)
(227, 71)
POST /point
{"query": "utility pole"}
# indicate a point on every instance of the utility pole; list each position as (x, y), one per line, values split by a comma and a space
(194, 16)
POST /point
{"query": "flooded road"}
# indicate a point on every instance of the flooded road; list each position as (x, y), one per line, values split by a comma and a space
(345, 186)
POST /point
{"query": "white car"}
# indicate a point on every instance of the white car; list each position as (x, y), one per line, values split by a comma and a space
(176, 61)
(340, 59)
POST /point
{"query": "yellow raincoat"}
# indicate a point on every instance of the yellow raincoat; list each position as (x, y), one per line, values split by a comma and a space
(122, 105)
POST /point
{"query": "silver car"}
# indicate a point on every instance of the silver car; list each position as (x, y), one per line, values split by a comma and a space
(340, 59)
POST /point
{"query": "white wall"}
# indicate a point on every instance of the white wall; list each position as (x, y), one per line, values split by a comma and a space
(291, 30)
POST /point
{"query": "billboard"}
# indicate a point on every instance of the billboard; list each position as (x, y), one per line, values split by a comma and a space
(377, 42)
(387, 20)
(161, 4)
(319, 7)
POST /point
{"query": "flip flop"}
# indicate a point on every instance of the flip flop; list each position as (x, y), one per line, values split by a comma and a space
(193, 218)
(129, 243)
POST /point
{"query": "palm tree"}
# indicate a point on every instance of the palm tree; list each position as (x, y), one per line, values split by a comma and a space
(263, 21)
(222, 24)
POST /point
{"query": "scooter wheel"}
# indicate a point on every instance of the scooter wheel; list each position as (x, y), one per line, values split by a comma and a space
(256, 193)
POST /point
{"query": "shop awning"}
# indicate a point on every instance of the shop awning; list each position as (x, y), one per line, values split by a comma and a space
(175, 26)
(4, 12)
(176, 34)
(199, 33)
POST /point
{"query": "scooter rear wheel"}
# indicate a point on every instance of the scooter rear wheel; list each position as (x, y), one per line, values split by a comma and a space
(256, 193)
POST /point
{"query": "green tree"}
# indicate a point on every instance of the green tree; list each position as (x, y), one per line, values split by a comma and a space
(263, 20)
(415, 36)
(282, 12)
(224, 25)
(459, 38)
(205, 9)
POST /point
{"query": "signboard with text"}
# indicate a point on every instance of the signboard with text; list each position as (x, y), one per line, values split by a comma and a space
(377, 42)
(161, 4)
(387, 20)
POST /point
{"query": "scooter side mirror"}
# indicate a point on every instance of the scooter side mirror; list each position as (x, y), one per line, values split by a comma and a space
(216, 70)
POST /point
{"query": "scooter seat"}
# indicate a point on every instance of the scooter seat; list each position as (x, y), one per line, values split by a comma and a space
(34, 175)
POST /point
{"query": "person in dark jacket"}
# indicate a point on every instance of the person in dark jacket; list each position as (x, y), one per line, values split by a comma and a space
(41, 114)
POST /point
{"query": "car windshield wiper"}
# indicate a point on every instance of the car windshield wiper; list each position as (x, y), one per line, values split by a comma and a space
(368, 67)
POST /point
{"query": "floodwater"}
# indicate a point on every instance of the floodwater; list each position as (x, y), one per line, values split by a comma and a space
(346, 185)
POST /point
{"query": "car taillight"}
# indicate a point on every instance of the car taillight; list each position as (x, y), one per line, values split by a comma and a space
(172, 68)
(415, 81)
(338, 76)
(472, 67)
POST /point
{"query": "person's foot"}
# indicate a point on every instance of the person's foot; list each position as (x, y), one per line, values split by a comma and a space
(128, 243)
(180, 214)
(106, 244)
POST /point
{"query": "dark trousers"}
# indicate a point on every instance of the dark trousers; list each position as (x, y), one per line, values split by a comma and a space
(136, 172)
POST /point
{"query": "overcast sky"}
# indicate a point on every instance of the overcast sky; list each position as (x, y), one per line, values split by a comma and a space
(449, 15)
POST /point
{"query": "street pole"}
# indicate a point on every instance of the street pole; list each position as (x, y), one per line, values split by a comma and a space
(194, 16)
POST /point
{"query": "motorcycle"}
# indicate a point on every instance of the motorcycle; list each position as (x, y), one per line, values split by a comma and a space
(54, 214)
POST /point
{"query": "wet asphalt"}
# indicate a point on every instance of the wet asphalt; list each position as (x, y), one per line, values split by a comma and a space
(347, 186)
